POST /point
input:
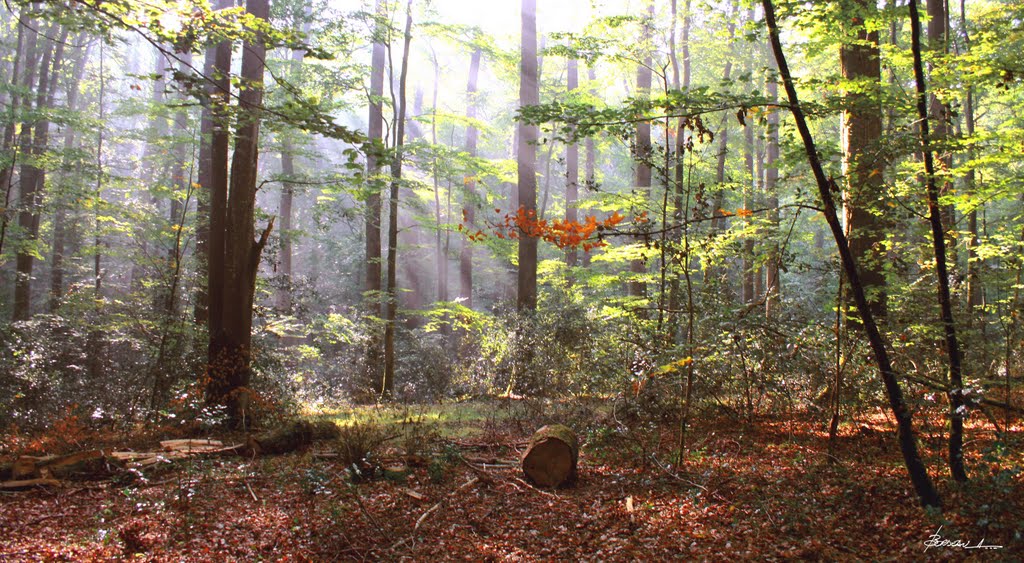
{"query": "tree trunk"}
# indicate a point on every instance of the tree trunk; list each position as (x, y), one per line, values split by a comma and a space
(773, 282)
(642, 157)
(863, 163)
(918, 472)
(469, 195)
(26, 200)
(230, 380)
(590, 167)
(529, 95)
(956, 384)
(551, 456)
(387, 388)
(213, 179)
(938, 42)
(60, 217)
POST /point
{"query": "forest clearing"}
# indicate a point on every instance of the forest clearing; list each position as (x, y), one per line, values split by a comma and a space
(417, 280)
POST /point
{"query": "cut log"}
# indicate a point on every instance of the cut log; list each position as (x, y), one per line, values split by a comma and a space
(88, 464)
(290, 437)
(550, 458)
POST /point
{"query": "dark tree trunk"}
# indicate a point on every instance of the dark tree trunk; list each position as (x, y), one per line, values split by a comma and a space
(213, 179)
(23, 57)
(918, 472)
(469, 195)
(29, 173)
(231, 372)
(387, 388)
(956, 384)
(529, 95)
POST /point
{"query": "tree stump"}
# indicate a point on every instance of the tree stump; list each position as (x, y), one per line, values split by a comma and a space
(550, 458)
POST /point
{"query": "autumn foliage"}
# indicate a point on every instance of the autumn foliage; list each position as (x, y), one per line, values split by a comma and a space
(563, 234)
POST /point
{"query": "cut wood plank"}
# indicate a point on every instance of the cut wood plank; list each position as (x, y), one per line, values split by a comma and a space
(191, 445)
(20, 484)
(550, 459)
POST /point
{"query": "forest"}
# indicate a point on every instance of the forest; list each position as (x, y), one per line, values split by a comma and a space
(513, 280)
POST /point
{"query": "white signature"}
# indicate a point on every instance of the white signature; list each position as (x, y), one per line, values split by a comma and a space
(936, 540)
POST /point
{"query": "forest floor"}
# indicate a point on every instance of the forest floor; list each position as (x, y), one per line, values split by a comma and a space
(761, 490)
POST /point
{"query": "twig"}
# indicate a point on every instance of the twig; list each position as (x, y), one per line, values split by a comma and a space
(421, 519)
(362, 508)
(535, 488)
(250, 491)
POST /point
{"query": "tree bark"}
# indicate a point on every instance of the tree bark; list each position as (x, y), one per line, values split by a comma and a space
(529, 95)
(916, 469)
(863, 163)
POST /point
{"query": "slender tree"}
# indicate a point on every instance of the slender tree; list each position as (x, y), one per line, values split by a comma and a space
(469, 195)
(572, 168)
(387, 388)
(956, 383)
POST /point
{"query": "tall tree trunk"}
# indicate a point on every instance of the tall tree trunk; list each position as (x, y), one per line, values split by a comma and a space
(469, 195)
(748, 268)
(938, 42)
(529, 95)
(24, 56)
(232, 372)
(975, 288)
(918, 472)
(387, 389)
(375, 132)
(590, 167)
(60, 217)
(863, 163)
(956, 384)
(440, 250)
(642, 154)
(29, 172)
(572, 169)
(283, 297)
(213, 179)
